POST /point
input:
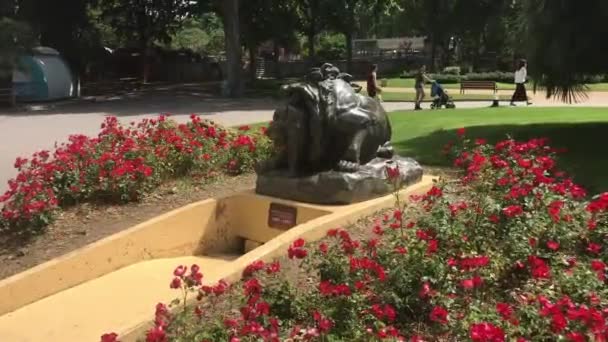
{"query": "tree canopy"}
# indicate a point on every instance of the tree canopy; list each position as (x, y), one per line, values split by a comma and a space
(566, 43)
(16, 38)
(563, 40)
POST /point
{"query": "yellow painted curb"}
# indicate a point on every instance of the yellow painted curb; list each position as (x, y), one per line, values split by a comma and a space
(113, 284)
(311, 231)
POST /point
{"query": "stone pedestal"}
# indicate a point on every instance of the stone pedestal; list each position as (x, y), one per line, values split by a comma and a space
(332, 187)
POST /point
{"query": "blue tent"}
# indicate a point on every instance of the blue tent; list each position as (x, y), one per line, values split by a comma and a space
(43, 76)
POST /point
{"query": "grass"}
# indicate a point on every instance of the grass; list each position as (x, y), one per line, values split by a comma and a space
(598, 87)
(422, 135)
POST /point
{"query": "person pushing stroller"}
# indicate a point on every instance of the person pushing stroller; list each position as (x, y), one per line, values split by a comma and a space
(421, 79)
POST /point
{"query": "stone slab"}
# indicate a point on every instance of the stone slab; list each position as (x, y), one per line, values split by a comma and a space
(332, 187)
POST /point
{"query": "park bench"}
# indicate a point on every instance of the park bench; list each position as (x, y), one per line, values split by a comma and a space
(486, 85)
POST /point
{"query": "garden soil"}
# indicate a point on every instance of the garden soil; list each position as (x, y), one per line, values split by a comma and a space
(84, 224)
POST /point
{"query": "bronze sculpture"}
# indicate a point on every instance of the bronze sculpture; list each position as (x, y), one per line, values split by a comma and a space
(328, 136)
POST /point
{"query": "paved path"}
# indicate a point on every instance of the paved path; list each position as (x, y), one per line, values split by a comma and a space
(25, 132)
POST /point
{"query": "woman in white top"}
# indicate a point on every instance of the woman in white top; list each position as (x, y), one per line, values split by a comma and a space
(520, 83)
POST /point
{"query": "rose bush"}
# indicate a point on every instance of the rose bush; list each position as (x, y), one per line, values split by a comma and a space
(511, 251)
(123, 163)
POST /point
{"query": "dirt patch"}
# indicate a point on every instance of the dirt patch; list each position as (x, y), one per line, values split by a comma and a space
(87, 223)
(76, 227)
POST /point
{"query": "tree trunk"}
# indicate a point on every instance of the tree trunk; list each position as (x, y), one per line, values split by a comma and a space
(277, 64)
(349, 51)
(145, 66)
(312, 30)
(230, 16)
(433, 53)
(311, 45)
(252, 62)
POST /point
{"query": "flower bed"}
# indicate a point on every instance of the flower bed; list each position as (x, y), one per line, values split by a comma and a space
(511, 251)
(121, 164)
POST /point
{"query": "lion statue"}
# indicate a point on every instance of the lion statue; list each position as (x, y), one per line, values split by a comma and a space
(327, 125)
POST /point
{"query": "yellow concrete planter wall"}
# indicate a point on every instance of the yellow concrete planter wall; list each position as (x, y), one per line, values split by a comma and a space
(207, 228)
(210, 226)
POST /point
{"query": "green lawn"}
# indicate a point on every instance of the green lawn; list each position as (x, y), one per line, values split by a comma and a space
(421, 135)
(598, 87)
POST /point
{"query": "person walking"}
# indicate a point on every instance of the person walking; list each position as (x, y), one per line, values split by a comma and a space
(420, 80)
(521, 75)
(373, 90)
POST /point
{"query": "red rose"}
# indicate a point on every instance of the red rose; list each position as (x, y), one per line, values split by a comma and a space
(467, 284)
(539, 268)
(461, 132)
(426, 291)
(392, 172)
(504, 310)
(486, 332)
(439, 315)
(323, 248)
(401, 250)
(513, 210)
(432, 247)
(552, 245)
(477, 281)
(273, 268)
(110, 337)
(180, 271)
(576, 337)
(253, 267)
(176, 283)
(296, 250)
(156, 334)
(594, 248)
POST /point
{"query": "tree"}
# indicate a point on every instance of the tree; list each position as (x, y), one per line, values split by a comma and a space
(61, 24)
(343, 16)
(566, 43)
(229, 11)
(481, 27)
(275, 20)
(433, 18)
(146, 21)
(16, 38)
(312, 23)
(203, 34)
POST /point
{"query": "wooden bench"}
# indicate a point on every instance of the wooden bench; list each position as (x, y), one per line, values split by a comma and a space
(485, 85)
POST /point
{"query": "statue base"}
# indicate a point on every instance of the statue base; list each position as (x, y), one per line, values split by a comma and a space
(333, 187)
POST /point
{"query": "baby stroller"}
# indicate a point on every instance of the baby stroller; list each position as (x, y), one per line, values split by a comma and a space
(440, 97)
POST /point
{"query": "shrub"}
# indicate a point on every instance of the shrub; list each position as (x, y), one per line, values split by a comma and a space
(453, 77)
(446, 78)
(122, 164)
(496, 76)
(452, 70)
(593, 79)
(511, 251)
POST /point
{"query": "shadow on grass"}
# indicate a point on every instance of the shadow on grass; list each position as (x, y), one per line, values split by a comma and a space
(586, 158)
